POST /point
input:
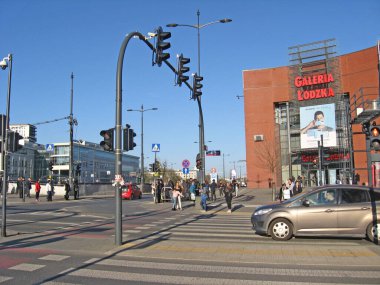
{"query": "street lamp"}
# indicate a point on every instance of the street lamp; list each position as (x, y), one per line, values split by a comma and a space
(6, 62)
(201, 125)
(142, 110)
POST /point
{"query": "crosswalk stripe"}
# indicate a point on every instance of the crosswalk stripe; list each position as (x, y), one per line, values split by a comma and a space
(167, 279)
(5, 278)
(240, 269)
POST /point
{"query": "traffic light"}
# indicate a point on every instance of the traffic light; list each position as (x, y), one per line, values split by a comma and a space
(156, 166)
(151, 167)
(128, 141)
(14, 141)
(199, 162)
(197, 86)
(107, 143)
(50, 165)
(161, 46)
(182, 69)
(78, 169)
(374, 137)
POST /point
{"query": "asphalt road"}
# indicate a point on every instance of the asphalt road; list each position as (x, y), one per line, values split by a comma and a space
(72, 242)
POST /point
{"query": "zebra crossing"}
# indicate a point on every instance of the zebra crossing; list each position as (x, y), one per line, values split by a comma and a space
(213, 248)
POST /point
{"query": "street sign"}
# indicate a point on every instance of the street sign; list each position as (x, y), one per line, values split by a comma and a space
(155, 147)
(213, 153)
(185, 171)
(49, 147)
(213, 170)
(185, 163)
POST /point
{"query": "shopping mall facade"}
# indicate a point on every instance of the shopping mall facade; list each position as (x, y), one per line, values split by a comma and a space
(291, 111)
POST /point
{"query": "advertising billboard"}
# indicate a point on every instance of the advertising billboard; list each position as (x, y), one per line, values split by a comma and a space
(315, 121)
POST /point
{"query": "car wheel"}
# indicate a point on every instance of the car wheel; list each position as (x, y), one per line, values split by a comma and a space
(281, 229)
(373, 232)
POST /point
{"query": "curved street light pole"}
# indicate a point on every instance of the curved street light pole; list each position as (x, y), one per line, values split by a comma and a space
(201, 123)
(142, 110)
(4, 152)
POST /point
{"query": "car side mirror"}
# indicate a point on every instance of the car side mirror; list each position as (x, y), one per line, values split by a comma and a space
(306, 203)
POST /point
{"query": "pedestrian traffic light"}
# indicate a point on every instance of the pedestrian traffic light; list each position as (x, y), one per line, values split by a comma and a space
(50, 165)
(182, 69)
(365, 128)
(161, 46)
(156, 166)
(107, 142)
(374, 136)
(198, 162)
(197, 86)
(14, 141)
(78, 169)
(151, 167)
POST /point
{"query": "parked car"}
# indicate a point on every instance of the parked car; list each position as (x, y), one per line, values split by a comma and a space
(331, 210)
(130, 191)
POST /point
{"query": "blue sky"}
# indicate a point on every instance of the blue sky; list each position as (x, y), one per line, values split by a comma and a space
(50, 39)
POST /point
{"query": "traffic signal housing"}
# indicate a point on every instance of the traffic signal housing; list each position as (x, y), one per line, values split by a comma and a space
(161, 46)
(374, 137)
(107, 142)
(182, 69)
(198, 162)
(14, 141)
(78, 169)
(197, 86)
(50, 166)
(128, 138)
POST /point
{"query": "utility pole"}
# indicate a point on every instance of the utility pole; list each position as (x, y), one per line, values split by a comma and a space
(71, 122)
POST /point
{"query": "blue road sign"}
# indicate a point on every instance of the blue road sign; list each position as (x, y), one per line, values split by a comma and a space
(155, 147)
(185, 171)
(49, 147)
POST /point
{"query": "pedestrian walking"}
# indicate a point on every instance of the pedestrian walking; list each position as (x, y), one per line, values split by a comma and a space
(213, 186)
(49, 191)
(76, 189)
(228, 192)
(192, 191)
(286, 193)
(178, 187)
(37, 189)
(67, 190)
(290, 186)
(28, 187)
(298, 187)
(160, 186)
(19, 187)
(204, 195)
(221, 189)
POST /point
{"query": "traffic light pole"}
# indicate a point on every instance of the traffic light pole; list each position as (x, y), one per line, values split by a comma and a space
(118, 128)
(71, 122)
(5, 155)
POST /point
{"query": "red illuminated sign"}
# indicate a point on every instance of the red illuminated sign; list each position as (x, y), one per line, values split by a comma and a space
(331, 157)
(314, 87)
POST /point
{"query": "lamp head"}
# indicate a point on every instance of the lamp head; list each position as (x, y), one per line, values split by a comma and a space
(3, 64)
(225, 20)
(172, 25)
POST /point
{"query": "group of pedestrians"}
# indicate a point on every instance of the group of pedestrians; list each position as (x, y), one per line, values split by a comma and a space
(289, 189)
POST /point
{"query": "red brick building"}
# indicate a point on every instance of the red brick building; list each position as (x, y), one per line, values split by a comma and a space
(279, 102)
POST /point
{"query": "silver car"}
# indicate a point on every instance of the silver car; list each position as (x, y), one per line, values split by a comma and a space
(331, 210)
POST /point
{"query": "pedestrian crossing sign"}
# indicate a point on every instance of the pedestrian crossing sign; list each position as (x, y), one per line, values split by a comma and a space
(155, 147)
(50, 147)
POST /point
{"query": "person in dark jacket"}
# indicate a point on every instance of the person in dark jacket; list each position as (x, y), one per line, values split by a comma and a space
(228, 192)
(19, 187)
(67, 190)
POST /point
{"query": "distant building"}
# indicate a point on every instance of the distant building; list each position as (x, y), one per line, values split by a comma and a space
(27, 131)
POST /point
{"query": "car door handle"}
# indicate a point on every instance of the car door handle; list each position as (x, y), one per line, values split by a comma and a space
(329, 211)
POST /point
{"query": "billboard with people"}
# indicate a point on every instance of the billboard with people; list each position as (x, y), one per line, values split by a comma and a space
(315, 121)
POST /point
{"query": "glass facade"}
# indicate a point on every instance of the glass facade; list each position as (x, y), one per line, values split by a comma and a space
(96, 165)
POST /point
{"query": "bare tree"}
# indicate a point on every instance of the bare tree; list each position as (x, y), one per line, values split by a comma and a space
(268, 155)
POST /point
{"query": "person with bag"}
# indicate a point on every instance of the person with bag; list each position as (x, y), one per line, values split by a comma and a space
(192, 191)
(67, 190)
(228, 192)
(213, 189)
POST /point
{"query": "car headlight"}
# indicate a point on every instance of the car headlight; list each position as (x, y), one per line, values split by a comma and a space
(262, 212)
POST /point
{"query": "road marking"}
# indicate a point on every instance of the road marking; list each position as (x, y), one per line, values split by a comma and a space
(132, 231)
(5, 278)
(54, 257)
(27, 267)
(142, 228)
